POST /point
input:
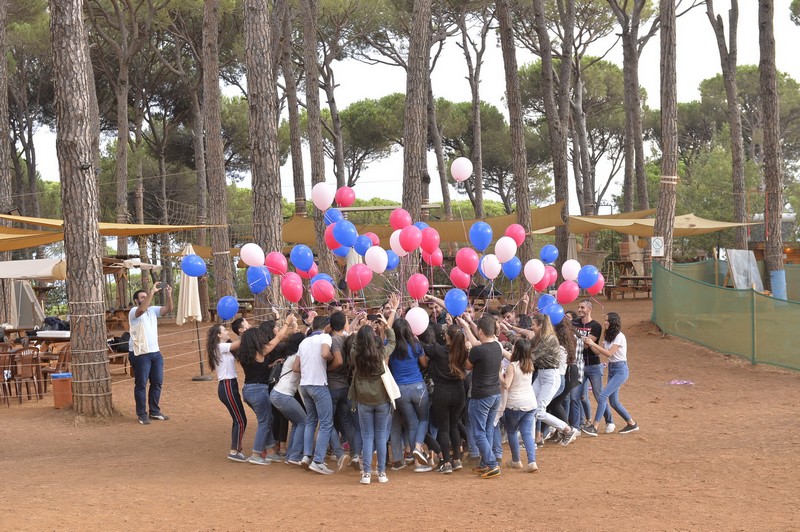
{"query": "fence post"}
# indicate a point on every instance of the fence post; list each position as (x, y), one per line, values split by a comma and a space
(753, 326)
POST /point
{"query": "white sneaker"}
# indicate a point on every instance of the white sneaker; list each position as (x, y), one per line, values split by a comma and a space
(610, 428)
(305, 462)
(256, 459)
(366, 478)
(514, 465)
(549, 433)
(342, 461)
(320, 468)
(531, 467)
(382, 478)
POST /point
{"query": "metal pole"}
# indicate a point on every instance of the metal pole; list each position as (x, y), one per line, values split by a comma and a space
(202, 376)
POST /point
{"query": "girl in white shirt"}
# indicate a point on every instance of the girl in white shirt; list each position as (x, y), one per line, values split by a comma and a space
(221, 359)
(519, 415)
(615, 348)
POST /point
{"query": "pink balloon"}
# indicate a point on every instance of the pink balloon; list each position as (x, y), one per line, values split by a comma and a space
(417, 286)
(322, 196)
(358, 276)
(567, 292)
(505, 249)
(534, 271)
(417, 319)
(434, 259)
(597, 287)
(252, 254)
(292, 290)
(542, 285)
(374, 238)
(459, 278)
(323, 291)
(461, 169)
(517, 232)
(330, 240)
(467, 260)
(399, 219)
(552, 273)
(410, 238)
(292, 277)
(345, 197)
(276, 263)
(314, 270)
(430, 240)
(394, 243)
(376, 259)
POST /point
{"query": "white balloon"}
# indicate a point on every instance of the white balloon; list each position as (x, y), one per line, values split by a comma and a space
(417, 319)
(461, 169)
(570, 269)
(322, 195)
(491, 266)
(376, 259)
(505, 248)
(252, 254)
(534, 271)
(394, 243)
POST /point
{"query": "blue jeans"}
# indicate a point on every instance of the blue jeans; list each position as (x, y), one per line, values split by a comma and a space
(343, 418)
(617, 375)
(522, 422)
(147, 366)
(474, 452)
(481, 416)
(414, 407)
(593, 374)
(256, 396)
(374, 421)
(293, 411)
(319, 408)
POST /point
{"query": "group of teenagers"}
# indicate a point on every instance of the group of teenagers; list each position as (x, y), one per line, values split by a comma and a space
(352, 384)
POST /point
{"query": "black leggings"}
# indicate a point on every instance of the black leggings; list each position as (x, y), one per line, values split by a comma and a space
(448, 403)
(228, 391)
(556, 406)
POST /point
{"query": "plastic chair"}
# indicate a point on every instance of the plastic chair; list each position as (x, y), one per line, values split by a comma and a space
(28, 370)
(64, 352)
(6, 375)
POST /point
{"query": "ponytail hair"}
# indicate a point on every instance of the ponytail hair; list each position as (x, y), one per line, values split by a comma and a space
(212, 345)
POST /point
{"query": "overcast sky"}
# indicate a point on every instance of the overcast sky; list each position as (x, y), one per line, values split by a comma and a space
(697, 59)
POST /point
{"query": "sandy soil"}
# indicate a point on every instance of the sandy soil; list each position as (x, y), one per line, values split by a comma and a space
(720, 454)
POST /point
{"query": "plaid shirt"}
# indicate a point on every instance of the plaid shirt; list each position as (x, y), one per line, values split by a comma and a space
(579, 357)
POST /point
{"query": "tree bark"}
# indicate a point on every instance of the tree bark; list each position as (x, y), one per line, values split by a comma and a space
(438, 148)
(6, 291)
(665, 212)
(215, 165)
(79, 192)
(198, 146)
(292, 105)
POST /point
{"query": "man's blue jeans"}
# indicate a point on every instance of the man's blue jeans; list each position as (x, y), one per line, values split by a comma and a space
(593, 374)
(319, 408)
(481, 416)
(147, 366)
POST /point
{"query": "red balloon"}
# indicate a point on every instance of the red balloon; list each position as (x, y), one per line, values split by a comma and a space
(375, 240)
(459, 278)
(467, 260)
(323, 291)
(345, 197)
(567, 292)
(410, 238)
(553, 275)
(430, 240)
(293, 277)
(542, 285)
(291, 290)
(399, 219)
(417, 286)
(517, 232)
(434, 259)
(330, 241)
(314, 270)
(597, 287)
(276, 263)
(358, 276)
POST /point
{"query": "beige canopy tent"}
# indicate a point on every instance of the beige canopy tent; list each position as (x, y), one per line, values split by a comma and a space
(108, 228)
(12, 238)
(46, 270)
(684, 225)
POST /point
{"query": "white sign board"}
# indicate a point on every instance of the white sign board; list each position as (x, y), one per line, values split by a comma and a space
(657, 246)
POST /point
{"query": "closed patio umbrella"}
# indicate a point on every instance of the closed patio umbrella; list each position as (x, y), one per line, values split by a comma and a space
(189, 309)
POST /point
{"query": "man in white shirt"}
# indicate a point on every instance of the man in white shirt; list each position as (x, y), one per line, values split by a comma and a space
(144, 354)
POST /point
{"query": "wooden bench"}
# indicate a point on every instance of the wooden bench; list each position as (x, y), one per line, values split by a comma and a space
(630, 284)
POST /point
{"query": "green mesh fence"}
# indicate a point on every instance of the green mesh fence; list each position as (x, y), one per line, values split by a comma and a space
(737, 322)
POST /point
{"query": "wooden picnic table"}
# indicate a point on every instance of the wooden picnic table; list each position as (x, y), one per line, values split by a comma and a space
(630, 284)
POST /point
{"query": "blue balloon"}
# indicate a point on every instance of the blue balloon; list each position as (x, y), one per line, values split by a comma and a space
(341, 251)
(258, 278)
(421, 225)
(480, 235)
(345, 233)
(363, 243)
(545, 300)
(555, 312)
(512, 268)
(480, 268)
(456, 301)
(548, 254)
(193, 265)
(332, 216)
(321, 277)
(302, 257)
(394, 260)
(227, 307)
(587, 276)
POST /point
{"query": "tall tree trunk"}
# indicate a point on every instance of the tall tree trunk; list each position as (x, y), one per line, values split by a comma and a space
(262, 100)
(630, 89)
(727, 56)
(215, 160)
(773, 171)
(121, 168)
(6, 290)
(79, 192)
(438, 148)
(665, 212)
(336, 126)
(519, 160)
(293, 107)
(198, 125)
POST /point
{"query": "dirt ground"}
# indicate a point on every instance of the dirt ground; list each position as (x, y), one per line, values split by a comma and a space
(719, 454)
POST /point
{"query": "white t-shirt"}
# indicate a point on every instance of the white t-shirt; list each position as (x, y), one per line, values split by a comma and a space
(520, 395)
(313, 368)
(562, 360)
(144, 331)
(622, 351)
(290, 380)
(226, 368)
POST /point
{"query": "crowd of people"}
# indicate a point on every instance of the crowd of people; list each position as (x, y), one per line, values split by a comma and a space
(362, 389)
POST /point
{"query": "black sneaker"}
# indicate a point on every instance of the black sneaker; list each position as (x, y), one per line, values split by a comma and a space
(398, 465)
(144, 421)
(590, 431)
(628, 428)
(159, 416)
(445, 467)
(491, 472)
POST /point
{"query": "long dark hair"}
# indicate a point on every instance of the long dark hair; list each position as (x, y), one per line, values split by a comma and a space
(522, 354)
(253, 342)
(457, 351)
(368, 358)
(212, 345)
(614, 326)
(405, 339)
(268, 328)
(565, 333)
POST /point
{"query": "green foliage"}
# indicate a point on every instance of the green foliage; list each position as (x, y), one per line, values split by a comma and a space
(794, 12)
